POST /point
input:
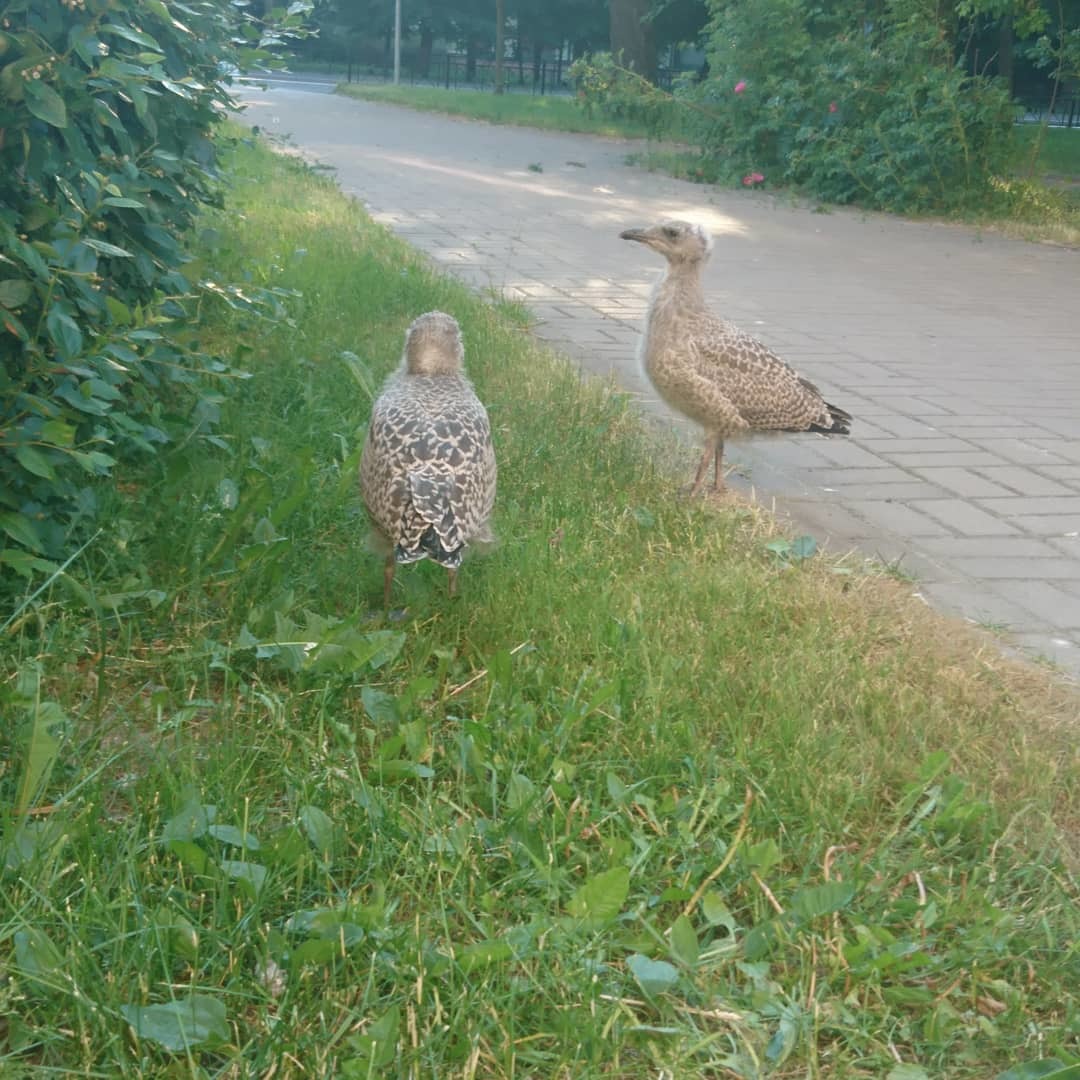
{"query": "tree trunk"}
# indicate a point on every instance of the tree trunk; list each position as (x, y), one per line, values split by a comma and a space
(1005, 52)
(470, 60)
(500, 43)
(423, 59)
(633, 43)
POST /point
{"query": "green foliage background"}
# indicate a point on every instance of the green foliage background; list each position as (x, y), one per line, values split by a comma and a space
(106, 108)
(878, 111)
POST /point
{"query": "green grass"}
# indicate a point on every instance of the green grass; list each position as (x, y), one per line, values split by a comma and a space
(649, 795)
(1058, 155)
(550, 112)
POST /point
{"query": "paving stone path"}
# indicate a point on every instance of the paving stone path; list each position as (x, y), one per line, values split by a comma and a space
(958, 353)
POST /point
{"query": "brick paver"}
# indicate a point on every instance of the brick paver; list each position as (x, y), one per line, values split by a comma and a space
(958, 353)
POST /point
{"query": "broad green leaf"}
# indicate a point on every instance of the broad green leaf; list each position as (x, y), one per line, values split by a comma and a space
(35, 954)
(248, 872)
(520, 791)
(618, 791)
(288, 847)
(106, 248)
(374, 1051)
(179, 1025)
(716, 911)
(803, 547)
(1045, 1069)
(760, 939)
(65, 334)
(20, 528)
(684, 941)
(45, 103)
(42, 750)
(189, 823)
(907, 1071)
(190, 854)
(601, 898)
(137, 37)
(653, 976)
(230, 834)
(33, 840)
(34, 461)
(388, 643)
(403, 770)
(25, 564)
(380, 706)
(58, 433)
(320, 829)
(118, 200)
(315, 951)
(808, 903)
(180, 934)
(228, 493)
(762, 856)
(483, 953)
(14, 292)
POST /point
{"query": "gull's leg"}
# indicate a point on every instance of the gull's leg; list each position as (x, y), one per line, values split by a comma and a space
(451, 575)
(388, 578)
(710, 449)
(718, 468)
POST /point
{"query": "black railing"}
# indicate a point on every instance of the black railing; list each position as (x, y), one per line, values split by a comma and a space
(549, 76)
(1065, 113)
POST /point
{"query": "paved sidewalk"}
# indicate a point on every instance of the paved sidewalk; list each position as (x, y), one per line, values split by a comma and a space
(958, 354)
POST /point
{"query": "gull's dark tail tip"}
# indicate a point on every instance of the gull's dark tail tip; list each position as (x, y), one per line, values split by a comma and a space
(840, 422)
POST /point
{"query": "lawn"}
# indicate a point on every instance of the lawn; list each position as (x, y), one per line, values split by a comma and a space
(1059, 153)
(653, 796)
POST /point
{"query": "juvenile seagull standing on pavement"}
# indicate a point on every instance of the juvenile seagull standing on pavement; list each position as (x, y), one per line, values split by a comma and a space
(427, 472)
(711, 371)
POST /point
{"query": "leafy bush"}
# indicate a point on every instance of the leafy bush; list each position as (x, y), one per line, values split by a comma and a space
(603, 86)
(106, 108)
(880, 114)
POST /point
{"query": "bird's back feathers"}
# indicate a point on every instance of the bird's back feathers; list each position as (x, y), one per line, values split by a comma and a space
(428, 471)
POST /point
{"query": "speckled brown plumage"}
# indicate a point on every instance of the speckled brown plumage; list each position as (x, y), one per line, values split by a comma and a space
(711, 371)
(427, 473)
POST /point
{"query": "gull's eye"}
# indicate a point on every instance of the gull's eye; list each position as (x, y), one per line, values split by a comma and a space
(671, 232)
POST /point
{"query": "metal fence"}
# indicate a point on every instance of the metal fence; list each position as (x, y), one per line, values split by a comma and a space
(457, 72)
(1065, 113)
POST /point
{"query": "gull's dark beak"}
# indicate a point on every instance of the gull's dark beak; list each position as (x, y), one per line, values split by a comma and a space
(633, 234)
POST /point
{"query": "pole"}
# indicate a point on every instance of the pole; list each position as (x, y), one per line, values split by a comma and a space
(397, 42)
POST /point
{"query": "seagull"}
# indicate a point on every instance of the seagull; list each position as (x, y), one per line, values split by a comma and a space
(427, 472)
(711, 371)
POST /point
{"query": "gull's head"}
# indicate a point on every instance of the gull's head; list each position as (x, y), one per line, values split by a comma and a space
(680, 242)
(433, 345)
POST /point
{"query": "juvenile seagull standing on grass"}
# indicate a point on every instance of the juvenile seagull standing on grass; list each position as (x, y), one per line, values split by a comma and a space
(711, 371)
(427, 472)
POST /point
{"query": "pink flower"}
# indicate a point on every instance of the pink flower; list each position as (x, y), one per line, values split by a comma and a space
(753, 179)
(832, 106)
(740, 86)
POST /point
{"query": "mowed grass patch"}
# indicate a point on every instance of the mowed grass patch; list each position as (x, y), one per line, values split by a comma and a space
(647, 796)
(551, 112)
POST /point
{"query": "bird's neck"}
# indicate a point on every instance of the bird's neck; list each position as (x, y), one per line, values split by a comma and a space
(679, 291)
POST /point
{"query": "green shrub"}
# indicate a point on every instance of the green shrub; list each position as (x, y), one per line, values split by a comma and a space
(880, 114)
(106, 111)
(603, 86)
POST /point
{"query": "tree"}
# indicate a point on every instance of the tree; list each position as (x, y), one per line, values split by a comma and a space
(633, 40)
